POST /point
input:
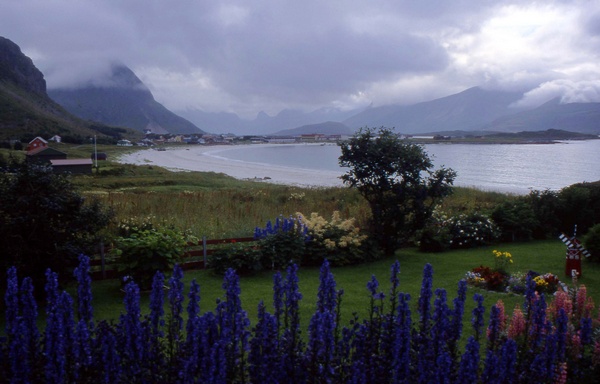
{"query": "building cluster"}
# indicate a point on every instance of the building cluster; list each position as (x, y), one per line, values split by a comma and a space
(39, 152)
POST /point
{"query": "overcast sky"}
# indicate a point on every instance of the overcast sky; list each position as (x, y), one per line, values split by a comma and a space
(246, 56)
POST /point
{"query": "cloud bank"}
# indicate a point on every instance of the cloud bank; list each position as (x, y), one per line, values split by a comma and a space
(266, 55)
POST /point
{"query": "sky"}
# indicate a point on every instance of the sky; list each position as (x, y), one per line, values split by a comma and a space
(247, 56)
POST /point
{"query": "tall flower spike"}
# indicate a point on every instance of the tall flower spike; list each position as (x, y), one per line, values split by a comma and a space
(477, 319)
(84, 290)
(327, 294)
(425, 298)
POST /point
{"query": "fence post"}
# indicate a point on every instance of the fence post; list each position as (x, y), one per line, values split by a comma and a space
(204, 250)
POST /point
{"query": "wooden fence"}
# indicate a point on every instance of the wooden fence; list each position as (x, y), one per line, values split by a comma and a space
(196, 257)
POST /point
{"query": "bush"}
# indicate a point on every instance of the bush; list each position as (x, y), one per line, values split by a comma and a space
(591, 242)
(284, 243)
(45, 222)
(516, 220)
(245, 260)
(147, 249)
(462, 231)
(338, 241)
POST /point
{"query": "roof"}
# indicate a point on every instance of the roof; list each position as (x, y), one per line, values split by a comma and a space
(38, 138)
(46, 150)
(71, 162)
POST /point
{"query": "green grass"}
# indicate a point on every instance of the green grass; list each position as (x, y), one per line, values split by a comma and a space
(449, 268)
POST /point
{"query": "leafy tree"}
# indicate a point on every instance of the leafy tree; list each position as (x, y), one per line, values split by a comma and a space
(396, 178)
(516, 220)
(45, 222)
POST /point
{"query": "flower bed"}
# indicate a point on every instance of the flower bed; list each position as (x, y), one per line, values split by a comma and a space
(498, 278)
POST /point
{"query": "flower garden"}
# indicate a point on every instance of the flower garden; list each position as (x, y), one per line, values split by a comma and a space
(429, 339)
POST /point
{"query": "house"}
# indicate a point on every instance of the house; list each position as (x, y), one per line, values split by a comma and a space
(43, 154)
(55, 138)
(124, 143)
(73, 166)
(36, 143)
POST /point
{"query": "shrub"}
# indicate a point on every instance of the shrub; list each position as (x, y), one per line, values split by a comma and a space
(591, 242)
(244, 260)
(339, 241)
(284, 243)
(516, 220)
(146, 250)
(461, 231)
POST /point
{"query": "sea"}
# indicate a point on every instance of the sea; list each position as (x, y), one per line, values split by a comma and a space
(511, 168)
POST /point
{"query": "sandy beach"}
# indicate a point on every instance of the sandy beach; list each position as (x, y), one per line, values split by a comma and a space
(211, 159)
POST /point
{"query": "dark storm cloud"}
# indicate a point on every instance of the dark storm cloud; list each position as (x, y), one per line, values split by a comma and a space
(249, 56)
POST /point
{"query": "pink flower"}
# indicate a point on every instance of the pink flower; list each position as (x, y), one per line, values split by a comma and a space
(501, 315)
(517, 324)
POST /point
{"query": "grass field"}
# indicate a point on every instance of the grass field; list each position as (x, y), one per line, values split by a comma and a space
(449, 268)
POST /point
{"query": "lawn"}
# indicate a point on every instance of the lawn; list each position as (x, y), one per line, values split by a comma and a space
(449, 268)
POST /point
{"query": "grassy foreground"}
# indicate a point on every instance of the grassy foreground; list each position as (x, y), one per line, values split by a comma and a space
(449, 268)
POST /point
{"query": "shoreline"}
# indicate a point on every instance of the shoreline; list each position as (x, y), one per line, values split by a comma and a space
(206, 159)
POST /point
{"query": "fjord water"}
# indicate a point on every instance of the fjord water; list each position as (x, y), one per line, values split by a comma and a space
(514, 168)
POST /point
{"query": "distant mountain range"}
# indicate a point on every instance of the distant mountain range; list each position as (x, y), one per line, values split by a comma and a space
(123, 101)
(474, 110)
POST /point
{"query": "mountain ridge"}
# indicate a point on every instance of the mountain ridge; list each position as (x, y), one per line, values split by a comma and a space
(122, 99)
(27, 111)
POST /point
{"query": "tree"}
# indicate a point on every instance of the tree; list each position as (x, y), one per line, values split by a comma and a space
(396, 178)
(45, 222)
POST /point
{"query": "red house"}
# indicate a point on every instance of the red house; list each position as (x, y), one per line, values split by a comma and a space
(36, 143)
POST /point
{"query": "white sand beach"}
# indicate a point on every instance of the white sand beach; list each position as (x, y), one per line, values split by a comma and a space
(210, 159)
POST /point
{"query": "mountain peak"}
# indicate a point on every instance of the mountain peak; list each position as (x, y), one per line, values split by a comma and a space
(19, 69)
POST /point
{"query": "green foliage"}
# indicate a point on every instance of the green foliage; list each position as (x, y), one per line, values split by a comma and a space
(460, 231)
(545, 209)
(396, 178)
(516, 220)
(147, 248)
(245, 259)
(591, 242)
(283, 248)
(579, 205)
(45, 222)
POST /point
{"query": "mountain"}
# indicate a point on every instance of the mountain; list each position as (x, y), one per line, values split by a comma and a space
(327, 128)
(121, 100)
(578, 117)
(26, 110)
(262, 124)
(467, 110)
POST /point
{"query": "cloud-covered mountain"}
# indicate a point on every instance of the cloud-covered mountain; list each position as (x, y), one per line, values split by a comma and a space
(26, 110)
(121, 100)
(327, 128)
(574, 117)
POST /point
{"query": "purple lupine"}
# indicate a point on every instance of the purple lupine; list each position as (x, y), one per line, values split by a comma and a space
(507, 370)
(109, 356)
(59, 340)
(477, 319)
(82, 351)
(291, 342)
(193, 311)
(493, 333)
(468, 370)
(456, 319)
(490, 367)
(131, 333)
(11, 299)
(320, 352)
(175, 316)
(234, 326)
(84, 290)
(30, 334)
(327, 294)
(263, 359)
(561, 332)
(424, 307)
(443, 368)
(401, 352)
(278, 293)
